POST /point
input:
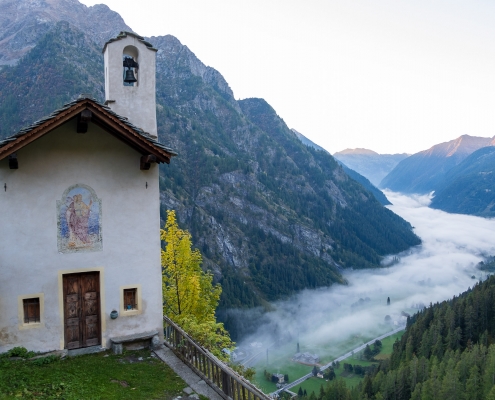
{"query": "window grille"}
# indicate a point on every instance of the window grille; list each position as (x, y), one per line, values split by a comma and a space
(130, 299)
(31, 310)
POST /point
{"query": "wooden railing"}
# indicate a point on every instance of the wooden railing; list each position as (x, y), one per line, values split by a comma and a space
(226, 382)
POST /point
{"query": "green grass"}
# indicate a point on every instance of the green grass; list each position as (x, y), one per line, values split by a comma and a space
(294, 370)
(388, 343)
(314, 384)
(310, 385)
(279, 360)
(93, 376)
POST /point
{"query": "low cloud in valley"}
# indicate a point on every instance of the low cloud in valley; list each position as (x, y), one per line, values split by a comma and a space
(438, 269)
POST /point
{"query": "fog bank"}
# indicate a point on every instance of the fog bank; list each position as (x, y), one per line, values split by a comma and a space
(437, 270)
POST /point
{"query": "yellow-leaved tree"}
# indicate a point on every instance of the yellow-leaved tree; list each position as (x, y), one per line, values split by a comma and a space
(189, 296)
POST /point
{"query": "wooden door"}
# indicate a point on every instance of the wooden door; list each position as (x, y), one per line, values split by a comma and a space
(82, 326)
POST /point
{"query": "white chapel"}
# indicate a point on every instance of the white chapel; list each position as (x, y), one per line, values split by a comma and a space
(79, 200)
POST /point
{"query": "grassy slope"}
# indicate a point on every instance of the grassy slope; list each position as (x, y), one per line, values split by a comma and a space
(94, 376)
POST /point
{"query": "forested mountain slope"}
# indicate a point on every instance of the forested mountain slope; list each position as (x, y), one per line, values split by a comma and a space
(353, 174)
(64, 63)
(469, 188)
(265, 208)
(270, 215)
(447, 352)
(424, 171)
(363, 181)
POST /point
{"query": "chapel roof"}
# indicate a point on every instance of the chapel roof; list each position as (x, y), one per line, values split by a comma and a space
(124, 34)
(101, 115)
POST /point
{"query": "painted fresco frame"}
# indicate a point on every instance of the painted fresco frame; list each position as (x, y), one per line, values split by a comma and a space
(79, 220)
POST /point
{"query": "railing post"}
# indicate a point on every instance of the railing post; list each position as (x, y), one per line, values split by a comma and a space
(226, 384)
(219, 376)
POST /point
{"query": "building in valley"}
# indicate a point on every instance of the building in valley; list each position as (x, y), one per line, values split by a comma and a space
(79, 237)
(306, 358)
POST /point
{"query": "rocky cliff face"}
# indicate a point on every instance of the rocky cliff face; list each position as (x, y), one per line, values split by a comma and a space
(270, 215)
(64, 63)
(24, 22)
(377, 193)
(264, 207)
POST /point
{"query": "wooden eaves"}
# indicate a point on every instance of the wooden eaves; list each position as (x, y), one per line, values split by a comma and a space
(101, 115)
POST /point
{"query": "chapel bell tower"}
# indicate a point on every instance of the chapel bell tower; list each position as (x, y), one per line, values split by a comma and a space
(130, 80)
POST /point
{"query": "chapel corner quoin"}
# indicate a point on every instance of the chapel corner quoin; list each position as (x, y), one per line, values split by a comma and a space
(80, 249)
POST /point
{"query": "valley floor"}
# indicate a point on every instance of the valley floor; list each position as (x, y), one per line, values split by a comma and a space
(279, 361)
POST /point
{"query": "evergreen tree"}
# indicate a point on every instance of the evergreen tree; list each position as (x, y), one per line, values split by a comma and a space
(435, 359)
(367, 387)
(489, 374)
(491, 394)
(451, 387)
(367, 353)
(473, 384)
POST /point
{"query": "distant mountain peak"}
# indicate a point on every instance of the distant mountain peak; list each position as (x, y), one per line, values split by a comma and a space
(359, 151)
(372, 165)
(424, 171)
(461, 146)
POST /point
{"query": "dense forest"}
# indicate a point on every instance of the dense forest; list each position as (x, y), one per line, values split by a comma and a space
(447, 352)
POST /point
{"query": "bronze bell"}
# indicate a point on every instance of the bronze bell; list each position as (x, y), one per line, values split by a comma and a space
(129, 76)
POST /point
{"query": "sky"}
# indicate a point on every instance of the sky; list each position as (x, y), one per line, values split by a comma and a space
(393, 76)
(443, 266)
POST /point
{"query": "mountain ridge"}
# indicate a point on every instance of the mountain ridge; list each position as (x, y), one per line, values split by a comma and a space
(306, 141)
(468, 187)
(353, 174)
(270, 215)
(423, 171)
(22, 23)
(358, 150)
(459, 147)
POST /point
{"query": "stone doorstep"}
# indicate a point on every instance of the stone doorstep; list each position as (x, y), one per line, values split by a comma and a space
(85, 350)
(58, 353)
(136, 341)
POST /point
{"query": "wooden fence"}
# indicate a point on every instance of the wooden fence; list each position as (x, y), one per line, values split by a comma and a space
(226, 382)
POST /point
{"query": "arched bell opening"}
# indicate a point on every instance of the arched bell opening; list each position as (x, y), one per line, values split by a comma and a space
(130, 66)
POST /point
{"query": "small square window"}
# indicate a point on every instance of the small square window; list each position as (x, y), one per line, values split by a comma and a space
(31, 310)
(130, 299)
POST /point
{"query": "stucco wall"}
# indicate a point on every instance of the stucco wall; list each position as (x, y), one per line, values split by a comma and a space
(29, 259)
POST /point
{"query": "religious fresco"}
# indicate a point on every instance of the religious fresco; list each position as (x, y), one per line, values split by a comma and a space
(79, 220)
